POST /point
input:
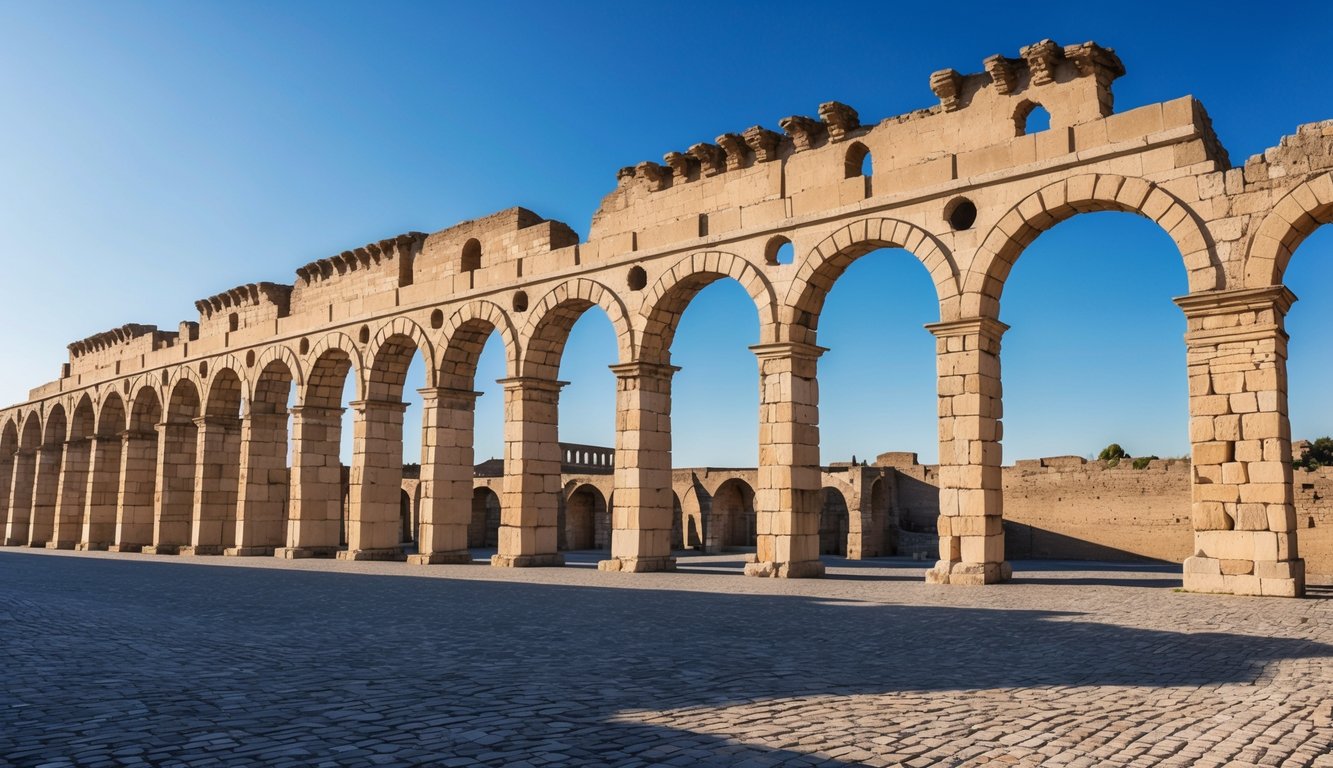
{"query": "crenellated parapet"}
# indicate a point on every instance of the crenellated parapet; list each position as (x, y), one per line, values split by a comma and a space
(1039, 65)
(400, 249)
(246, 296)
(116, 337)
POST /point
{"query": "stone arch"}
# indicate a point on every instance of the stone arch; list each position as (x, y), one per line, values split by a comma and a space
(279, 353)
(465, 334)
(730, 519)
(1295, 217)
(184, 400)
(57, 426)
(30, 434)
(821, 267)
(225, 391)
(587, 520)
(389, 354)
(9, 439)
(83, 418)
(272, 380)
(667, 300)
(179, 374)
(329, 363)
(835, 521)
(1087, 193)
(545, 334)
(483, 529)
(145, 408)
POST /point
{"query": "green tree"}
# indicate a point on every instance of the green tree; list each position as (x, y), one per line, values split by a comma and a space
(1112, 454)
(1317, 454)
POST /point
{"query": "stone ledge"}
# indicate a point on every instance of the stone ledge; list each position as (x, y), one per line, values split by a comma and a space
(441, 558)
(528, 561)
(969, 574)
(637, 564)
(390, 554)
(801, 569)
(298, 553)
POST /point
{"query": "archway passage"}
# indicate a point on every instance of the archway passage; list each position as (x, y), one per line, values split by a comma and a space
(139, 476)
(217, 483)
(587, 521)
(178, 443)
(265, 484)
(19, 528)
(833, 524)
(46, 485)
(72, 486)
(9, 447)
(483, 531)
(883, 523)
(107, 451)
(315, 514)
(731, 520)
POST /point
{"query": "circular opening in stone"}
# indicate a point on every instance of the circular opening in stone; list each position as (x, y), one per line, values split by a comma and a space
(437, 319)
(638, 279)
(250, 359)
(305, 346)
(365, 334)
(521, 301)
(961, 214)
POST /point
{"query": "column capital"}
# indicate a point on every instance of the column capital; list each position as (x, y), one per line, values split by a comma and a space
(643, 369)
(787, 349)
(533, 383)
(448, 393)
(225, 422)
(362, 406)
(130, 434)
(315, 411)
(972, 326)
(1211, 303)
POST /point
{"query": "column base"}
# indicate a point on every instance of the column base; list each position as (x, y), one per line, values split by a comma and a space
(969, 574)
(36, 544)
(61, 544)
(162, 549)
(15, 542)
(1269, 578)
(299, 553)
(637, 564)
(91, 546)
(390, 554)
(528, 561)
(800, 569)
(202, 550)
(135, 548)
(248, 551)
(441, 558)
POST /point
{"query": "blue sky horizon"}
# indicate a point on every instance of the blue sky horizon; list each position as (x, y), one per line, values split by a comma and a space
(160, 152)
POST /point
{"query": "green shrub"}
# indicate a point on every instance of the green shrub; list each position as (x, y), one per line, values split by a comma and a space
(1143, 461)
(1112, 454)
(1319, 454)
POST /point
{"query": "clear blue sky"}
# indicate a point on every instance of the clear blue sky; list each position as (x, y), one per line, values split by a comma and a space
(154, 153)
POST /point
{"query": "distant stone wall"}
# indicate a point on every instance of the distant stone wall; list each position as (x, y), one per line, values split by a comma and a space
(1065, 507)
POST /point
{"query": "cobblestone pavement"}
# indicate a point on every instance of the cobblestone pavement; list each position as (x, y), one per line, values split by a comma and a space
(157, 661)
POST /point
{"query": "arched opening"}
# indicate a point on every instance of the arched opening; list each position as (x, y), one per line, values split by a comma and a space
(731, 521)
(833, 524)
(586, 519)
(138, 480)
(217, 489)
(1309, 275)
(1087, 368)
(677, 524)
(9, 446)
(177, 470)
(483, 531)
(265, 480)
(104, 468)
(1031, 118)
(881, 515)
(72, 484)
(405, 515)
(382, 455)
(321, 443)
(46, 486)
(471, 259)
(779, 251)
(858, 161)
(20, 527)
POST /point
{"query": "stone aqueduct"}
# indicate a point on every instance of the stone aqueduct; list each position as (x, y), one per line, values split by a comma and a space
(177, 441)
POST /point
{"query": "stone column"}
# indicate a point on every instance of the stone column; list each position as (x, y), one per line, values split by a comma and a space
(173, 509)
(374, 529)
(788, 499)
(446, 475)
(529, 509)
(102, 494)
(1242, 508)
(137, 492)
(261, 505)
(6, 492)
(217, 474)
(18, 524)
(71, 495)
(314, 519)
(642, 516)
(971, 494)
(45, 491)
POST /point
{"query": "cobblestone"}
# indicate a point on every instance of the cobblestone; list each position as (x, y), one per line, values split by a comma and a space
(119, 660)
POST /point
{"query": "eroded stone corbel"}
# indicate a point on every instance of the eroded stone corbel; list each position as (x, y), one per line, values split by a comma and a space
(840, 119)
(710, 158)
(625, 175)
(1002, 74)
(804, 131)
(680, 165)
(654, 174)
(763, 142)
(1042, 58)
(733, 144)
(947, 84)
